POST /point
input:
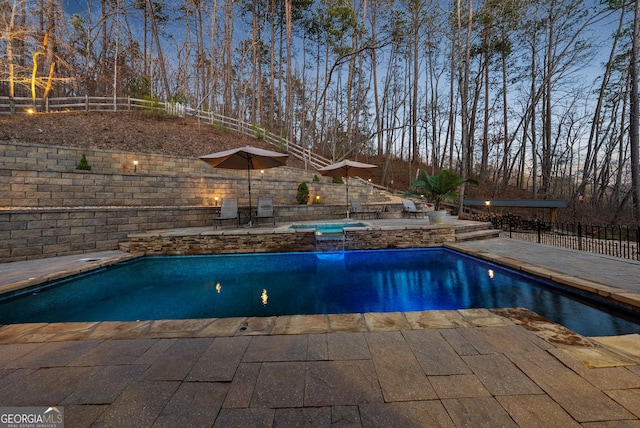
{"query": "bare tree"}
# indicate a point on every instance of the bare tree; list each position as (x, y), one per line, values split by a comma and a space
(11, 32)
(634, 114)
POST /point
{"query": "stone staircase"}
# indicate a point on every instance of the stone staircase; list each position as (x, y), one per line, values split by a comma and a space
(475, 231)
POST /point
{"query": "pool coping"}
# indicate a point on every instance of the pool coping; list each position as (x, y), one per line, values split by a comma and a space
(592, 352)
(89, 263)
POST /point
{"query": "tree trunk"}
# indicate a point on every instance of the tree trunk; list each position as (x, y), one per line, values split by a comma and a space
(228, 58)
(466, 131)
(634, 119)
(289, 83)
(154, 28)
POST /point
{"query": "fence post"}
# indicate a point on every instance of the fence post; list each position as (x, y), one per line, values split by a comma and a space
(579, 236)
(638, 242)
(539, 227)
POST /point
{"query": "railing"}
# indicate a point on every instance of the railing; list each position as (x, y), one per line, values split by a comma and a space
(617, 241)
(86, 103)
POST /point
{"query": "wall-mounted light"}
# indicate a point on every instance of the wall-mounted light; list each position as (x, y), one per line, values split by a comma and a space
(135, 166)
(216, 199)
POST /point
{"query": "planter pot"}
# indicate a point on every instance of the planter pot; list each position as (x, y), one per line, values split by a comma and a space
(437, 217)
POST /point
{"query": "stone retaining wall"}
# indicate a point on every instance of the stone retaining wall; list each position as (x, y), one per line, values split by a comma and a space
(26, 188)
(255, 240)
(34, 175)
(48, 232)
(32, 234)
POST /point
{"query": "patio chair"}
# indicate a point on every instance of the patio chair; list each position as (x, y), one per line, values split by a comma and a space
(358, 211)
(265, 209)
(228, 211)
(409, 209)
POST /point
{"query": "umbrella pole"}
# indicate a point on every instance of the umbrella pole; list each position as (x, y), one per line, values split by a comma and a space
(347, 180)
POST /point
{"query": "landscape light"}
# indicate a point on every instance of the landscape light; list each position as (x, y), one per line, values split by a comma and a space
(135, 166)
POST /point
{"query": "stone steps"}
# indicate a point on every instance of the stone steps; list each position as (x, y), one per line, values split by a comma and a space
(476, 231)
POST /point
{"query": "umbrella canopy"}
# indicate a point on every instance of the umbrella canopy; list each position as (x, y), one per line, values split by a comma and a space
(347, 168)
(248, 158)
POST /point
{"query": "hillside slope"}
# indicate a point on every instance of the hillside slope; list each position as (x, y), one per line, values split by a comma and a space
(126, 131)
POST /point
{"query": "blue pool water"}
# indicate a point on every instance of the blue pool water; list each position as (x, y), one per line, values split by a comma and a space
(301, 283)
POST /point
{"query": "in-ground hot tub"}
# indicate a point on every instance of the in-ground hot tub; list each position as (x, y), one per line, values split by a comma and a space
(332, 227)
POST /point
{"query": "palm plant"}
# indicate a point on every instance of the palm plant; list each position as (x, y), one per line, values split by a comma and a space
(438, 188)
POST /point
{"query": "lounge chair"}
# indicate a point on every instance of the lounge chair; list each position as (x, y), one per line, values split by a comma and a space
(409, 209)
(228, 211)
(358, 211)
(265, 209)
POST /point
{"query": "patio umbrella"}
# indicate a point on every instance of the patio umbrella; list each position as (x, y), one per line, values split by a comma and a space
(248, 158)
(347, 168)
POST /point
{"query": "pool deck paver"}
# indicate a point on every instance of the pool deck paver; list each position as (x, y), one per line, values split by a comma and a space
(416, 369)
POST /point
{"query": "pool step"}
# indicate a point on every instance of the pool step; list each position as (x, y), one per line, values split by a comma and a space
(476, 231)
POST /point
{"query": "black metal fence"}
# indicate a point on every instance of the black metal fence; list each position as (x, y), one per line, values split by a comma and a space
(617, 241)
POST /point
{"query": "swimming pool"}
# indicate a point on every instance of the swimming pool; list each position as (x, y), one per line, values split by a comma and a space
(301, 283)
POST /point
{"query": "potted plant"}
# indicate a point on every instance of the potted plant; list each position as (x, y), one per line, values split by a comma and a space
(438, 188)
